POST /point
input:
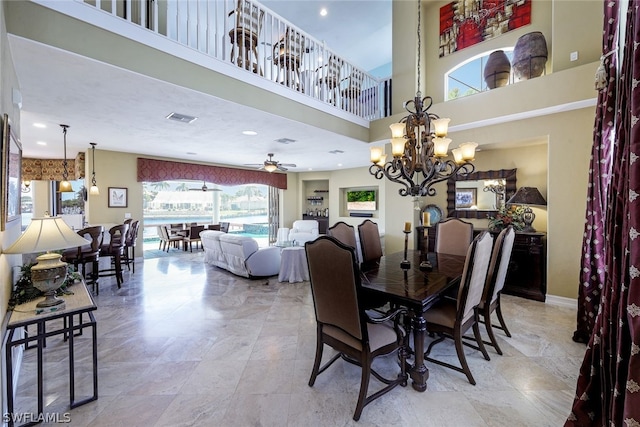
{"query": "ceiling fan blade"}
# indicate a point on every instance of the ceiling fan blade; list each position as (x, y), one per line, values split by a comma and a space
(283, 169)
(289, 165)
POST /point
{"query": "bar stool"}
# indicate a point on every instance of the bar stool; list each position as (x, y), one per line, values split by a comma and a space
(115, 250)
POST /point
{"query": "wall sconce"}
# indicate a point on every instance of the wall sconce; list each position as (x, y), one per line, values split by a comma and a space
(65, 185)
(94, 190)
(26, 186)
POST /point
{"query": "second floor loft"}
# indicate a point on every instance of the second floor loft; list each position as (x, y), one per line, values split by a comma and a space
(252, 38)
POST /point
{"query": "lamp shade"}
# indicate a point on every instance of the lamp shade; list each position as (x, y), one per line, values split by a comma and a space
(46, 234)
(270, 167)
(527, 196)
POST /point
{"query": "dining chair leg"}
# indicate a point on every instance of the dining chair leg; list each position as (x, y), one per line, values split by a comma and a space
(364, 387)
(316, 363)
(476, 333)
(462, 358)
(503, 325)
(492, 338)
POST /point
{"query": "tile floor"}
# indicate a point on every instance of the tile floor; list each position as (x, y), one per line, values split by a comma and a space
(187, 344)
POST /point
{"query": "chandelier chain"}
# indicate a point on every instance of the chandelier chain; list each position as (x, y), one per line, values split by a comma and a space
(419, 46)
(65, 172)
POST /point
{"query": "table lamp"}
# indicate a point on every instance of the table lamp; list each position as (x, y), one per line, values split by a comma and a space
(47, 234)
(527, 196)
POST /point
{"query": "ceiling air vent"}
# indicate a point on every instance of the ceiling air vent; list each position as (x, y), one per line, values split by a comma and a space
(285, 140)
(336, 151)
(181, 118)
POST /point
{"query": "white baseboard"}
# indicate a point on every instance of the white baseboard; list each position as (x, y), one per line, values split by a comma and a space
(562, 301)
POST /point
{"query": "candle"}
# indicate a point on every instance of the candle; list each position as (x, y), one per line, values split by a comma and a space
(426, 219)
(407, 226)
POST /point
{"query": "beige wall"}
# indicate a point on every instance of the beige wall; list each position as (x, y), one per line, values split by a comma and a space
(12, 232)
(568, 26)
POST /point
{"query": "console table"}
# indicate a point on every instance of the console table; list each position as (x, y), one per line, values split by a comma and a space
(527, 273)
(79, 307)
(323, 222)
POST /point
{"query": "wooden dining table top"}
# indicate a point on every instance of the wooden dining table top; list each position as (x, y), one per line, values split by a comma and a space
(413, 287)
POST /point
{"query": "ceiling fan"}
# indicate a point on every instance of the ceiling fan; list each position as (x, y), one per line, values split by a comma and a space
(271, 165)
(204, 188)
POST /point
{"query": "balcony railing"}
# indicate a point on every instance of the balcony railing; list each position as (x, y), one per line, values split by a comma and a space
(258, 41)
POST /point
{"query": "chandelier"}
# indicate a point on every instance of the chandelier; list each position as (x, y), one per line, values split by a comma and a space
(65, 185)
(94, 190)
(419, 147)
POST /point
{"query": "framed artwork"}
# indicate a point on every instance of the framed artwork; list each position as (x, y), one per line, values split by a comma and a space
(117, 197)
(11, 170)
(466, 23)
(466, 198)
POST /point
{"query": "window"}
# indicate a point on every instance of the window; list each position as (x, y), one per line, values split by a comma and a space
(245, 207)
(467, 78)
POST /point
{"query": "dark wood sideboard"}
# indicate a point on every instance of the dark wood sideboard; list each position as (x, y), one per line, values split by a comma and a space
(527, 274)
(323, 222)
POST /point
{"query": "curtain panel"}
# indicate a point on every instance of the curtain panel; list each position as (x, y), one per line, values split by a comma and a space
(592, 273)
(151, 170)
(608, 388)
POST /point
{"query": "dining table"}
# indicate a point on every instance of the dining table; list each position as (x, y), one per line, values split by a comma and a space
(405, 283)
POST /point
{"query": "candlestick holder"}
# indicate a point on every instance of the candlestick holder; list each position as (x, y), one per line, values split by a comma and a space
(405, 264)
(425, 265)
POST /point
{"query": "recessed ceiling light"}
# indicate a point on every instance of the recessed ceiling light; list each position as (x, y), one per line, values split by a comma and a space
(323, 12)
(41, 143)
(39, 125)
(249, 132)
(191, 153)
(340, 165)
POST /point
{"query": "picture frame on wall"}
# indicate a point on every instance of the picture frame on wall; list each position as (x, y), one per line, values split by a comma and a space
(118, 197)
(11, 170)
(466, 198)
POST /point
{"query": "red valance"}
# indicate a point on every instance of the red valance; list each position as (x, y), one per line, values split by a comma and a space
(151, 170)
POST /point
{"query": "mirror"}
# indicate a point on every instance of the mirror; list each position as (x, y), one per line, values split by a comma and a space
(479, 194)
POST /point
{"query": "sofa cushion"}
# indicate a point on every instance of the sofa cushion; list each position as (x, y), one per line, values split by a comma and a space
(212, 249)
(236, 250)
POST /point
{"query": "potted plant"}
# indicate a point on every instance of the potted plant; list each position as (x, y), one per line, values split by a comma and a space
(506, 216)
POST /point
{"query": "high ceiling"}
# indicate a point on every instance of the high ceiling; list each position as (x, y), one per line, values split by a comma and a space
(125, 111)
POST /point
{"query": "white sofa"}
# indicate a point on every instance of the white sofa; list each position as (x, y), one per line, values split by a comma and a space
(239, 254)
(304, 230)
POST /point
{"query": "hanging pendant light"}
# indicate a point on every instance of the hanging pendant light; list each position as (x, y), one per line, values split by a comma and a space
(420, 147)
(93, 191)
(65, 185)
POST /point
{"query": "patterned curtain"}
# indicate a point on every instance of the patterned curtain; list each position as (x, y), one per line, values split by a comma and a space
(151, 170)
(593, 244)
(608, 389)
(274, 213)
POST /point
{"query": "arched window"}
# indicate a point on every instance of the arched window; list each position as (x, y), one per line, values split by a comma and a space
(467, 77)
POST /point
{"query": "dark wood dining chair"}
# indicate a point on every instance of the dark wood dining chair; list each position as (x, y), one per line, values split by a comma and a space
(453, 236)
(370, 244)
(224, 227)
(114, 249)
(453, 318)
(194, 236)
(166, 239)
(343, 233)
(490, 303)
(342, 322)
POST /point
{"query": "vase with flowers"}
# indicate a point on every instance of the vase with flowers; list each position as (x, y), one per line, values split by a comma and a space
(506, 216)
